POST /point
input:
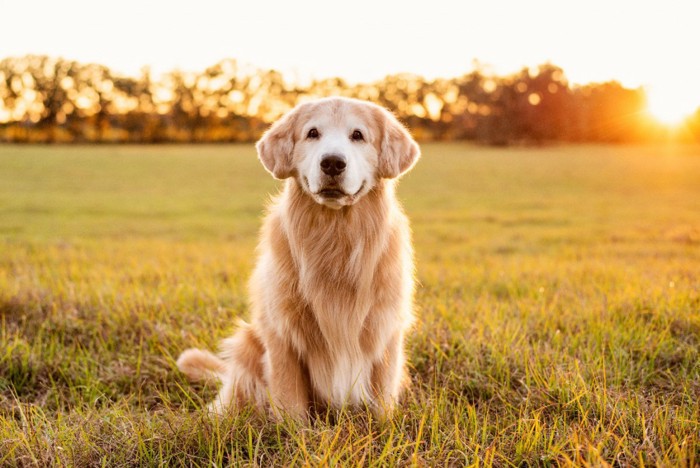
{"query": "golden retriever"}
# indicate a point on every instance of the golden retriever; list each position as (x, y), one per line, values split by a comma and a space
(332, 293)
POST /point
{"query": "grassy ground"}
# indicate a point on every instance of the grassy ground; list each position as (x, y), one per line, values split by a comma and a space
(559, 309)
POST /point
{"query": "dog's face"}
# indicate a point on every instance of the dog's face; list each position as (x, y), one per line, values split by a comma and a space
(337, 149)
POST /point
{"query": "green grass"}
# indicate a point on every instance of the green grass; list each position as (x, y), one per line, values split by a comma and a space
(558, 309)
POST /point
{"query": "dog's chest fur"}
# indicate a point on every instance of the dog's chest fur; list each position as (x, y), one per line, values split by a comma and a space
(333, 261)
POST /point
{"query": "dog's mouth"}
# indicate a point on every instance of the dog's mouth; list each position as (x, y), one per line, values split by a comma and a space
(334, 192)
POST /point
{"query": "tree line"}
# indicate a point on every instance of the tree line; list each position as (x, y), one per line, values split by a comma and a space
(52, 100)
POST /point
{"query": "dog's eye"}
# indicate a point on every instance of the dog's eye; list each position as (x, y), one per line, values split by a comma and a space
(313, 133)
(357, 136)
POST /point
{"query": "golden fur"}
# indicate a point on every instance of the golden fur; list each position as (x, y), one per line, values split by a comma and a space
(332, 293)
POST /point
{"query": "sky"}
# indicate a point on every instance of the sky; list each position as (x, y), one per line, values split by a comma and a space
(639, 43)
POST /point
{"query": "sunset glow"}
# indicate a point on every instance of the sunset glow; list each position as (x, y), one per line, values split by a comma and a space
(638, 44)
(668, 105)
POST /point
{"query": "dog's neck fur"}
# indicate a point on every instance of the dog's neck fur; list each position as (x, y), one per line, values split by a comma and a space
(313, 225)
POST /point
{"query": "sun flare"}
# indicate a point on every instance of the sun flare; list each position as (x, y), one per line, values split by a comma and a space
(668, 105)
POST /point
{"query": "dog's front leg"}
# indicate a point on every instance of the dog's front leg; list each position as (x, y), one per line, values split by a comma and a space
(388, 375)
(287, 380)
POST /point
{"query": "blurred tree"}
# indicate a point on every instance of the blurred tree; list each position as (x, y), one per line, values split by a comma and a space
(48, 99)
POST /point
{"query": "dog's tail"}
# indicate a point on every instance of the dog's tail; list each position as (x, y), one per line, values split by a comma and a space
(238, 367)
(198, 364)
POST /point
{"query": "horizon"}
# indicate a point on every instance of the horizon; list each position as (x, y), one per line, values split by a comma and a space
(635, 45)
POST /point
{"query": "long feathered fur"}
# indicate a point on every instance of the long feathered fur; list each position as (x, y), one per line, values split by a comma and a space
(332, 293)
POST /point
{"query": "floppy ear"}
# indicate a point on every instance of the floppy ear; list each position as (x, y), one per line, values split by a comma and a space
(399, 151)
(276, 146)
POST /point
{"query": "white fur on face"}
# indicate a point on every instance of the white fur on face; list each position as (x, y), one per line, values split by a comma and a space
(335, 138)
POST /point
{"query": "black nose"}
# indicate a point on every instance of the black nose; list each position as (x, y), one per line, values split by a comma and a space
(332, 165)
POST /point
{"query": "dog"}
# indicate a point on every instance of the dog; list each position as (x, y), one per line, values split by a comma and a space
(331, 295)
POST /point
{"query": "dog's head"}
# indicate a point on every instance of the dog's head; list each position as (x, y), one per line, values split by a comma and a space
(337, 149)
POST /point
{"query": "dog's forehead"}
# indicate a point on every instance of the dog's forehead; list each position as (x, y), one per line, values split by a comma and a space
(339, 113)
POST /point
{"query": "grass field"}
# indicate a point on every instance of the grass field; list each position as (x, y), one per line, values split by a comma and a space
(558, 309)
